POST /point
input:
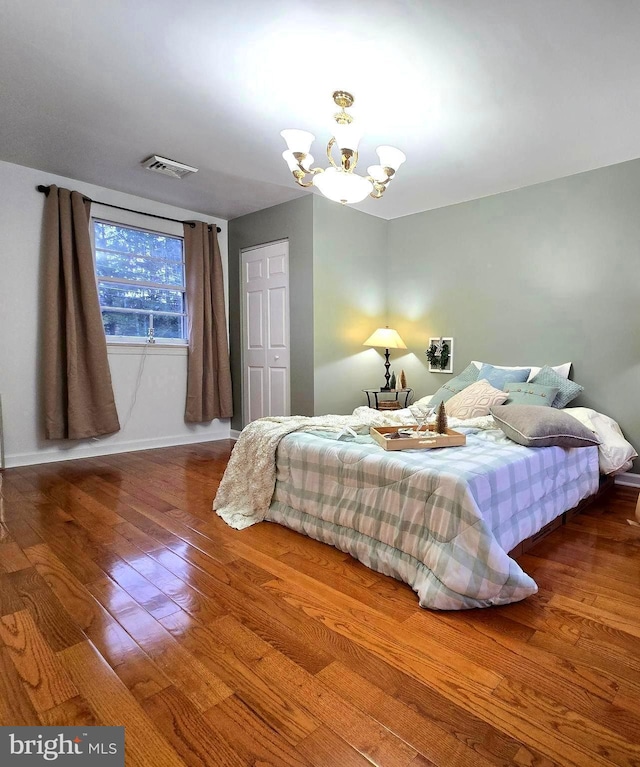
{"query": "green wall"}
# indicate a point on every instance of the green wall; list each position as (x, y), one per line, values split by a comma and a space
(545, 274)
(349, 292)
(293, 221)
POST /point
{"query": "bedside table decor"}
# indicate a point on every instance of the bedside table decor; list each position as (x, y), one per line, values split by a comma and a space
(388, 404)
(386, 338)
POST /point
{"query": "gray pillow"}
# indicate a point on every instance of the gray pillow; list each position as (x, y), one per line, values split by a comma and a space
(530, 394)
(567, 390)
(534, 426)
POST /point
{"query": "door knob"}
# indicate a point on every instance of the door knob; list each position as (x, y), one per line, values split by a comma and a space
(276, 357)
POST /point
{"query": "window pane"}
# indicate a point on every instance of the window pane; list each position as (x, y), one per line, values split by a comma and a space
(167, 327)
(126, 240)
(139, 268)
(131, 297)
(125, 323)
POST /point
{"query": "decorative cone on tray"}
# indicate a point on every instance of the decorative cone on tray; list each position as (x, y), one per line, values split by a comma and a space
(441, 420)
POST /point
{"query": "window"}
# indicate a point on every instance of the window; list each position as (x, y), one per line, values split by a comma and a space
(141, 283)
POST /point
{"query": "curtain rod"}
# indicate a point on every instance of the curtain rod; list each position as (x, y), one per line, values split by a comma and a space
(45, 191)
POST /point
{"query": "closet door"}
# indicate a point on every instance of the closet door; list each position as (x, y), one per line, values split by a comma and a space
(265, 321)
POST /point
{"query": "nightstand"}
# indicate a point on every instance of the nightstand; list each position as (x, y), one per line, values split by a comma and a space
(388, 399)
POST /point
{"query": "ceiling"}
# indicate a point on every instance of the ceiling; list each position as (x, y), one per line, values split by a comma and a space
(482, 95)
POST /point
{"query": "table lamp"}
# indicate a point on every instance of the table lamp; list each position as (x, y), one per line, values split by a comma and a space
(385, 338)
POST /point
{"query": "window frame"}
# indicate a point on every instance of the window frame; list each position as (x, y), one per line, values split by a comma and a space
(125, 222)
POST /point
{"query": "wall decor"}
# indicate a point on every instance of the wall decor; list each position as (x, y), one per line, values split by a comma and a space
(440, 355)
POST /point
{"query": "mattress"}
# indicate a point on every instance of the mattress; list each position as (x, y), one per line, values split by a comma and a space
(440, 520)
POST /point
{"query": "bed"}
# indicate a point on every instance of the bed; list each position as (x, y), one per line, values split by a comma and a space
(442, 521)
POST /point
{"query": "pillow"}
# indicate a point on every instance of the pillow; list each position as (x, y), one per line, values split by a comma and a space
(567, 390)
(562, 370)
(498, 377)
(476, 400)
(534, 426)
(454, 385)
(448, 390)
(530, 394)
(470, 373)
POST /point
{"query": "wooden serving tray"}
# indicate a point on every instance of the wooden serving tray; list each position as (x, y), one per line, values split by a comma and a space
(426, 440)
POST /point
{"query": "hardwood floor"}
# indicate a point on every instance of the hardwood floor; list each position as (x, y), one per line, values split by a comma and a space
(125, 600)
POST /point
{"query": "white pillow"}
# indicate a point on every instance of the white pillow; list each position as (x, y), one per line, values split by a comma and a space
(474, 401)
(615, 452)
(561, 370)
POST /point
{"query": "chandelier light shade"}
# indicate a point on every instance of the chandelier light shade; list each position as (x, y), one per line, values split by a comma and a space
(385, 338)
(339, 182)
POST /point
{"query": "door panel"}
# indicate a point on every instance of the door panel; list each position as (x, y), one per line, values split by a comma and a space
(277, 322)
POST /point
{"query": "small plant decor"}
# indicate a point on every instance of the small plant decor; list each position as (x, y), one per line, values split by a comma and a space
(441, 420)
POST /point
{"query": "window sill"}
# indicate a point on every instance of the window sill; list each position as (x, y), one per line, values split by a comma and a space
(172, 350)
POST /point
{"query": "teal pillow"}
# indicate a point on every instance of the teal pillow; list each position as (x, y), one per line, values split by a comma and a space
(530, 394)
(498, 377)
(446, 391)
(470, 373)
(468, 376)
(567, 390)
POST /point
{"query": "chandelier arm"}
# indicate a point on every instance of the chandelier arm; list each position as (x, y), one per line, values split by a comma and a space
(332, 141)
(379, 187)
(300, 173)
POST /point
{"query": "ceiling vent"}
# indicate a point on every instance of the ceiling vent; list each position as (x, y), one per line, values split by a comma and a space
(168, 167)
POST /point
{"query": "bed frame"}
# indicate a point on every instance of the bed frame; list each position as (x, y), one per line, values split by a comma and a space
(606, 484)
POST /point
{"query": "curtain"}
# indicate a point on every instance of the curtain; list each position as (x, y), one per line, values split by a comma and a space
(78, 397)
(208, 370)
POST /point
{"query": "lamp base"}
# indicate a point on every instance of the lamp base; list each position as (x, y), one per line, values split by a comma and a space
(387, 375)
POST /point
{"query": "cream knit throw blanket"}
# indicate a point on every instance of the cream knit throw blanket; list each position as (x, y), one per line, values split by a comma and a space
(245, 491)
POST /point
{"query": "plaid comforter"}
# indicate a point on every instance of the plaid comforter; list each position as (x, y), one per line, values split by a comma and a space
(439, 520)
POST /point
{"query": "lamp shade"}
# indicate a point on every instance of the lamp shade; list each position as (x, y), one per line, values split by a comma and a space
(385, 338)
(390, 157)
(298, 140)
(347, 135)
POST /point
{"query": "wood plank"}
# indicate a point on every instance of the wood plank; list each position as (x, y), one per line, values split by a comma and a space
(253, 740)
(274, 707)
(12, 558)
(189, 732)
(75, 712)
(421, 725)
(203, 688)
(323, 747)
(113, 704)
(10, 601)
(16, 708)
(53, 621)
(43, 677)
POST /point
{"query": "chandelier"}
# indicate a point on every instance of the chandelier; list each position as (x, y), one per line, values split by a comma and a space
(338, 182)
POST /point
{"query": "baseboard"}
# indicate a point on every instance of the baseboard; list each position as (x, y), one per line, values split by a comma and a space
(628, 479)
(98, 449)
(234, 434)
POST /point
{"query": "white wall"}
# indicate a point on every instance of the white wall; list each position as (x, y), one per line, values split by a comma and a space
(152, 416)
